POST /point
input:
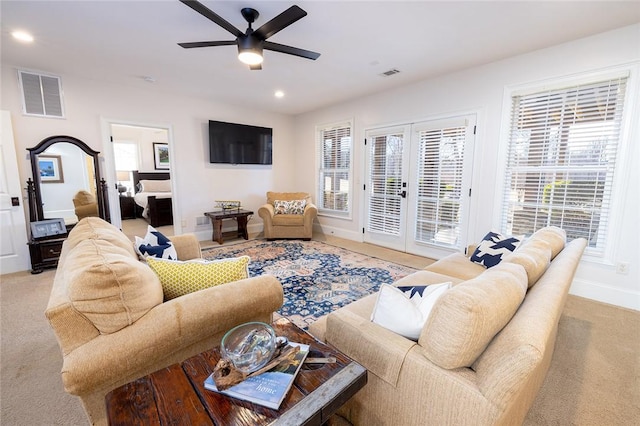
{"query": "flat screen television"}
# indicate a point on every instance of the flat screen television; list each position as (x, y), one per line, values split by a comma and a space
(231, 143)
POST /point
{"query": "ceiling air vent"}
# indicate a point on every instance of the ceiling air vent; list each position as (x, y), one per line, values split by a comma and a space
(390, 72)
(41, 94)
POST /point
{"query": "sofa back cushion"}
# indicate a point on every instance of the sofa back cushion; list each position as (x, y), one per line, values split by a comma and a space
(534, 255)
(556, 237)
(466, 318)
(94, 228)
(109, 286)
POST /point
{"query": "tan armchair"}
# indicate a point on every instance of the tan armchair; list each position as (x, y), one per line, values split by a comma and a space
(85, 204)
(284, 225)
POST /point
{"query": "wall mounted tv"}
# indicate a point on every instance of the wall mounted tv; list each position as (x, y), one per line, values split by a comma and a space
(231, 143)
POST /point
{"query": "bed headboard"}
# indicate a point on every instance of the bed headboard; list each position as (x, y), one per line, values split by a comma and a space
(138, 176)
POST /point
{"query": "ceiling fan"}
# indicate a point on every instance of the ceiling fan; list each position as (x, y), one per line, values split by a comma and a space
(252, 42)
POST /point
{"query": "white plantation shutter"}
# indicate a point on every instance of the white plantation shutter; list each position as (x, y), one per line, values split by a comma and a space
(334, 146)
(440, 183)
(561, 160)
(385, 183)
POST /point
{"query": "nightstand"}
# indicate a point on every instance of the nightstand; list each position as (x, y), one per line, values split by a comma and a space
(127, 207)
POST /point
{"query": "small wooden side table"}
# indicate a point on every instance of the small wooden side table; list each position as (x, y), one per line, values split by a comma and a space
(240, 216)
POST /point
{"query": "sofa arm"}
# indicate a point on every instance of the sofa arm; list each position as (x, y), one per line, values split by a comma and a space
(111, 360)
(266, 212)
(379, 350)
(187, 246)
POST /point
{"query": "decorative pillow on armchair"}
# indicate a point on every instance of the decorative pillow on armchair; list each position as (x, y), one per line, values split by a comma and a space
(154, 244)
(289, 207)
(493, 248)
(404, 310)
(180, 278)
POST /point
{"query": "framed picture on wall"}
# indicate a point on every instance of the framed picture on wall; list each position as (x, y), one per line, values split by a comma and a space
(161, 155)
(50, 167)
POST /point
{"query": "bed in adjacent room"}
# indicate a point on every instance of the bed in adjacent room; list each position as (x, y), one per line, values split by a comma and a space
(153, 197)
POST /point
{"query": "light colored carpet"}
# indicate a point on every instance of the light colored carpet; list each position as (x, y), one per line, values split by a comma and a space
(594, 377)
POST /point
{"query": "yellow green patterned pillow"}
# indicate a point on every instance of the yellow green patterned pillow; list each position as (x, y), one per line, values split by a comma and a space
(180, 278)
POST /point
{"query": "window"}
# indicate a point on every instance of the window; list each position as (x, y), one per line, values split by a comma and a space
(126, 159)
(334, 169)
(561, 160)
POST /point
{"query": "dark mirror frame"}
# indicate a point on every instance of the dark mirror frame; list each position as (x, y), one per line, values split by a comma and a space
(33, 186)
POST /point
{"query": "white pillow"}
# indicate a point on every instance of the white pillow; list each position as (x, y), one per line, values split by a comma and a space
(154, 244)
(404, 310)
(156, 185)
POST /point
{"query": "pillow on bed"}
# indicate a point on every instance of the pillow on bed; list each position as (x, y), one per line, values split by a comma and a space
(156, 185)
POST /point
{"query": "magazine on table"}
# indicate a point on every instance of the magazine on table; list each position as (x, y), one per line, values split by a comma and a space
(269, 388)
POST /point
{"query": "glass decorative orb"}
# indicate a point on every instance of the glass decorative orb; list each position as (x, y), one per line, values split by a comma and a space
(249, 346)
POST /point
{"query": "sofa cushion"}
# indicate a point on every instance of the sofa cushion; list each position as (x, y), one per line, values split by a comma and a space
(466, 318)
(554, 236)
(404, 310)
(155, 244)
(456, 265)
(289, 207)
(94, 228)
(180, 278)
(493, 248)
(534, 255)
(108, 286)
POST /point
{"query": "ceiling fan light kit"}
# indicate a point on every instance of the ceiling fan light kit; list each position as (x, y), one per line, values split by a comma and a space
(252, 43)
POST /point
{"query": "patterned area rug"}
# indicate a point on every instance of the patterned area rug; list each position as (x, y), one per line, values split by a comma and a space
(317, 278)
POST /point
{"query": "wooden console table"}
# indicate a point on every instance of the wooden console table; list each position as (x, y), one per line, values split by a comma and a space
(240, 216)
(176, 394)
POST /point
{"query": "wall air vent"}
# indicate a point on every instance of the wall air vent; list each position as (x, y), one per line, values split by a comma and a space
(41, 94)
(390, 72)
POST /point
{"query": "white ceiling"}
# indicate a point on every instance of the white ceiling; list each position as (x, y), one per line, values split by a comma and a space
(124, 41)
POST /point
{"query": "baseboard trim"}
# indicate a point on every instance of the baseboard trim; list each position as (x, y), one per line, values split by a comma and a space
(338, 232)
(606, 294)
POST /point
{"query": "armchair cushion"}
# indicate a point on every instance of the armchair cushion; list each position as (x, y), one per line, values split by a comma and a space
(180, 278)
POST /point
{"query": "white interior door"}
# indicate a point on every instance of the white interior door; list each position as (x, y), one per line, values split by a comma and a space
(14, 252)
(386, 187)
(418, 185)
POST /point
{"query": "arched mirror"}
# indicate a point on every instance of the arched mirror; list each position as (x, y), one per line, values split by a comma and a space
(66, 181)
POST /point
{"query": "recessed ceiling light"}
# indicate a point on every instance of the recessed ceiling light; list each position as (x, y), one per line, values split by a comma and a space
(279, 94)
(22, 36)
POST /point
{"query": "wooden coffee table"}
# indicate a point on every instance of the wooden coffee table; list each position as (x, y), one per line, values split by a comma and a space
(176, 394)
(241, 216)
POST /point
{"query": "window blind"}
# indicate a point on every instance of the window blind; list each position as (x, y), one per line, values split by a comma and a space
(334, 170)
(561, 159)
(440, 184)
(385, 183)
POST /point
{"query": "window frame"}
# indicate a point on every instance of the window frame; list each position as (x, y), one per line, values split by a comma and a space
(606, 253)
(319, 131)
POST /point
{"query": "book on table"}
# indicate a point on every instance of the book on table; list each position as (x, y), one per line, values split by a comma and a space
(269, 388)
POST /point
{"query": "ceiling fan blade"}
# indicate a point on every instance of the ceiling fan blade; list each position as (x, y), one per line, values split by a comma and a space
(207, 44)
(211, 15)
(280, 22)
(290, 50)
(255, 67)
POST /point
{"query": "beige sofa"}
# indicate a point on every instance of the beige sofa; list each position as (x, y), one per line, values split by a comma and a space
(107, 312)
(475, 362)
(288, 225)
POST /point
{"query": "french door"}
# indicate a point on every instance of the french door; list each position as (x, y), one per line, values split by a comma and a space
(418, 185)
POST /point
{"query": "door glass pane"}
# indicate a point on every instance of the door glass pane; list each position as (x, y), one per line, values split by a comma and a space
(385, 183)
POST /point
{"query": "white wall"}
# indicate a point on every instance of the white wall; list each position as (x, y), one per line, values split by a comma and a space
(482, 89)
(198, 183)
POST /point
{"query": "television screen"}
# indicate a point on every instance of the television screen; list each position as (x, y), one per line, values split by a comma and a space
(239, 143)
